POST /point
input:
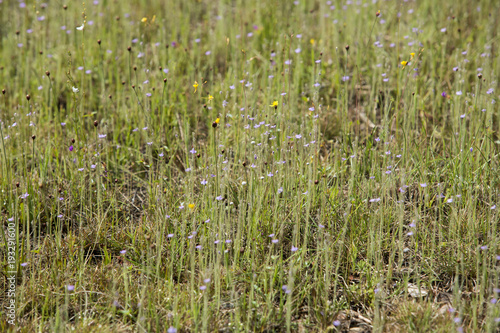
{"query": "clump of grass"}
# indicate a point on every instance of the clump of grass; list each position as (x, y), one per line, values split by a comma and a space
(286, 166)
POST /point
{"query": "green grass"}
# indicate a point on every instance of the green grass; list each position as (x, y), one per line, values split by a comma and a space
(144, 164)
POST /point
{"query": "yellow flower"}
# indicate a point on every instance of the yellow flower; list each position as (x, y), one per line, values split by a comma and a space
(404, 63)
(412, 54)
(274, 105)
(144, 20)
(312, 41)
(191, 206)
(210, 97)
(195, 85)
(217, 120)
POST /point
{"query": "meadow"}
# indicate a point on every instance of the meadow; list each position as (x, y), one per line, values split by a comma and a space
(249, 166)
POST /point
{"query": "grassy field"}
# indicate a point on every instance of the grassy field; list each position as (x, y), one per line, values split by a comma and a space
(250, 166)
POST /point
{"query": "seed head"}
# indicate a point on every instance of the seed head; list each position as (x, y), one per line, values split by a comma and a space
(347, 47)
(99, 41)
(28, 97)
(47, 73)
(95, 123)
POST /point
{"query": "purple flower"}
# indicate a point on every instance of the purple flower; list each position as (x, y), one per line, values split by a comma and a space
(192, 151)
(71, 148)
(444, 94)
(336, 323)
(70, 287)
(459, 93)
(219, 198)
(423, 185)
(203, 182)
(203, 288)
(345, 78)
(24, 264)
(172, 330)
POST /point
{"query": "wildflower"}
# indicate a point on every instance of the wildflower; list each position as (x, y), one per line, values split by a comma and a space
(210, 97)
(195, 85)
(191, 206)
(80, 27)
(217, 120)
(203, 182)
(144, 19)
(412, 55)
(70, 287)
(75, 90)
(24, 264)
(404, 63)
(172, 329)
(294, 249)
(274, 104)
(219, 198)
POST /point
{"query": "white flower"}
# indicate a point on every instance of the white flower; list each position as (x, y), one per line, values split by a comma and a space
(75, 90)
(80, 27)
